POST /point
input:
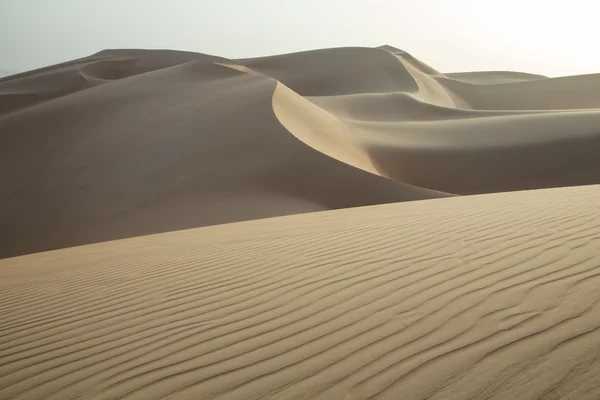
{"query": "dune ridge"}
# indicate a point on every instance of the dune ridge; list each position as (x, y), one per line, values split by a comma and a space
(133, 142)
(484, 297)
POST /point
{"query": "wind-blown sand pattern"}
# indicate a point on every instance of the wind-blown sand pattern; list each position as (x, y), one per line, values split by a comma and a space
(318, 225)
(131, 142)
(480, 297)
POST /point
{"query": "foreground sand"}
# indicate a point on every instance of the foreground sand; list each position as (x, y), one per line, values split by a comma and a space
(478, 297)
(131, 142)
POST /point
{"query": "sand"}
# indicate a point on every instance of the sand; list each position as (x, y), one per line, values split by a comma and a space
(479, 297)
(131, 142)
(342, 223)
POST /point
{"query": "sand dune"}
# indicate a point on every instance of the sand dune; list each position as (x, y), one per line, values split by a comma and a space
(132, 142)
(478, 297)
(491, 77)
(368, 294)
(183, 146)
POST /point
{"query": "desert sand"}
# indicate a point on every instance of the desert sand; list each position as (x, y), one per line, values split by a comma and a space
(479, 297)
(343, 223)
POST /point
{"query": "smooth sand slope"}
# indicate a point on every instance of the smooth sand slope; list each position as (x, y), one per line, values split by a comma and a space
(131, 151)
(478, 297)
(133, 142)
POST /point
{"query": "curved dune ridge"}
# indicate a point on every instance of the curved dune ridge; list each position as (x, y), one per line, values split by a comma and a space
(479, 297)
(132, 142)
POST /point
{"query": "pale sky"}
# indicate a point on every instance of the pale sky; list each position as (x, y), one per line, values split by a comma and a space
(548, 37)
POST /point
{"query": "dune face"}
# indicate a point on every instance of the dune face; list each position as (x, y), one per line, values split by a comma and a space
(283, 249)
(146, 142)
(133, 142)
(478, 297)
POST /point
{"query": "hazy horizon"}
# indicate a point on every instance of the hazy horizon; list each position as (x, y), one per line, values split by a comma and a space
(535, 37)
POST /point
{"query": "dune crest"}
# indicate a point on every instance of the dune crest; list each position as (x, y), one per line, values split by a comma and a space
(319, 129)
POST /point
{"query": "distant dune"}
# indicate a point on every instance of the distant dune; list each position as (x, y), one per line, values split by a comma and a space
(407, 276)
(132, 142)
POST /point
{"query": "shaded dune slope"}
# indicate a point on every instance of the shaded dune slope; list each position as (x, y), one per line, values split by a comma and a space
(131, 142)
(32, 87)
(183, 146)
(480, 297)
